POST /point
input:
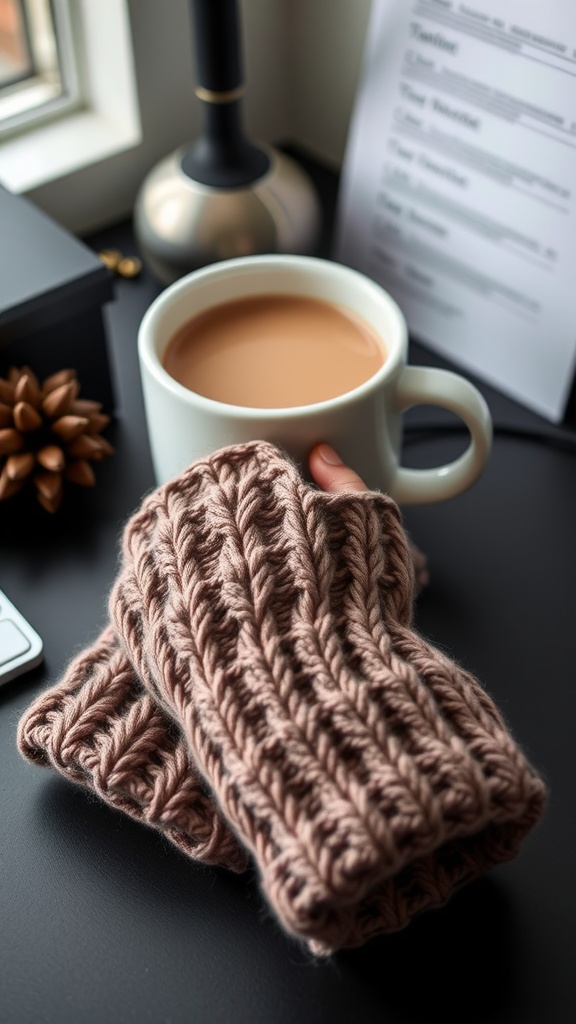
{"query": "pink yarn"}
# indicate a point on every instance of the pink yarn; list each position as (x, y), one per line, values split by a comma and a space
(98, 727)
(266, 628)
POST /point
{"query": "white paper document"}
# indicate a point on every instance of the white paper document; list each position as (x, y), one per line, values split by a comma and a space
(458, 186)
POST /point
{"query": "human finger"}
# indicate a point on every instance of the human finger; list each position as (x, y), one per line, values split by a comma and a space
(331, 473)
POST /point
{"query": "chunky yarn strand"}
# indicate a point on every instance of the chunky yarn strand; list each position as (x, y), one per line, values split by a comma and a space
(100, 729)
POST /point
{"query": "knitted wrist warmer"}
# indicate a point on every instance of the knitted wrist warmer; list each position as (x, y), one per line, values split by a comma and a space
(98, 727)
(367, 774)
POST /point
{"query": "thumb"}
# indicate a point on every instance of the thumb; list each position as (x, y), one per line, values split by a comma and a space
(330, 473)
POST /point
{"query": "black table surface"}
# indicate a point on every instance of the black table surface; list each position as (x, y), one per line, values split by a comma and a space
(102, 920)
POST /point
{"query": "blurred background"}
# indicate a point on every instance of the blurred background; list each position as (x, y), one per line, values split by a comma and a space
(94, 92)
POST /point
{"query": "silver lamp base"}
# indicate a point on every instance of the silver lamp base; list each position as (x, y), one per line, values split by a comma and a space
(181, 224)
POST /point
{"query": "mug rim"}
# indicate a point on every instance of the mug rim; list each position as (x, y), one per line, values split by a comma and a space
(150, 358)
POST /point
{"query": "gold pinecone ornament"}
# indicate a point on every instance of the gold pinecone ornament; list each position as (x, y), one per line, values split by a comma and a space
(48, 435)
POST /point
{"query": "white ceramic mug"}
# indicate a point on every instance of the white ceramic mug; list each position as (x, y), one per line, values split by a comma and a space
(364, 425)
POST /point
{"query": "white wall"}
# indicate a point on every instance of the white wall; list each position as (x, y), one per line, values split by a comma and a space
(302, 62)
(268, 102)
(325, 60)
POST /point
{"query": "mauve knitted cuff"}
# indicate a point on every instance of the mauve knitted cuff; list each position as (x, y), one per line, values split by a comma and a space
(98, 727)
(368, 774)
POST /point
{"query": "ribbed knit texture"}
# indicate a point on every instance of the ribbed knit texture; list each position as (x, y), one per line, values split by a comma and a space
(367, 774)
(98, 727)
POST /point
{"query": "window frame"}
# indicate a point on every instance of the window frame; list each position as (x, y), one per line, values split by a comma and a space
(46, 103)
(84, 169)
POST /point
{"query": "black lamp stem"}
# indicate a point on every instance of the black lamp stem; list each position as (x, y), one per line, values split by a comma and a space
(222, 156)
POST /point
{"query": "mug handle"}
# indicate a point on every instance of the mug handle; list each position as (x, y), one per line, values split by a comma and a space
(427, 385)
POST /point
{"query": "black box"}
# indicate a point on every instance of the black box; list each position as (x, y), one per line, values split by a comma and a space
(52, 292)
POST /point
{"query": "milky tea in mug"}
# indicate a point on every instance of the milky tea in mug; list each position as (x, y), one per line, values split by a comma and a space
(330, 364)
(274, 351)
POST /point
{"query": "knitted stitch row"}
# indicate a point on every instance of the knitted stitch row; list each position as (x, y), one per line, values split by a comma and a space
(367, 774)
(99, 728)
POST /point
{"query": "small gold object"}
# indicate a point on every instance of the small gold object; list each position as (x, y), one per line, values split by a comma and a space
(118, 263)
(110, 258)
(219, 96)
(129, 266)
